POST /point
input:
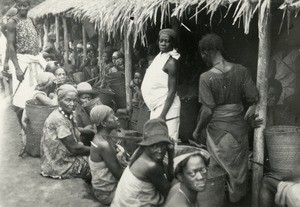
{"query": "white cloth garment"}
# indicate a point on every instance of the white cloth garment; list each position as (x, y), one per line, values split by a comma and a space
(35, 65)
(155, 91)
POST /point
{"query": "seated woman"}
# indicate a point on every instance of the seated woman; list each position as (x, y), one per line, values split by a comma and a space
(62, 155)
(61, 76)
(85, 126)
(143, 182)
(105, 167)
(190, 170)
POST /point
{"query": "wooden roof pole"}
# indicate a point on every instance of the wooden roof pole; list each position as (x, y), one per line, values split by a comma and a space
(128, 48)
(101, 47)
(57, 31)
(84, 41)
(46, 30)
(66, 40)
(264, 51)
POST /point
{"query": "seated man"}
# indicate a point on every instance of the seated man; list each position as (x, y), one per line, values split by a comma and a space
(190, 168)
(105, 167)
(143, 182)
(62, 155)
(85, 95)
(285, 114)
(280, 191)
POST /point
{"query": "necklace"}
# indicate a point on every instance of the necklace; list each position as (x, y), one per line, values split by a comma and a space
(188, 200)
(70, 117)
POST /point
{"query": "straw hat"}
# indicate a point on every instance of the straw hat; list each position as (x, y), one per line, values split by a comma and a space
(84, 88)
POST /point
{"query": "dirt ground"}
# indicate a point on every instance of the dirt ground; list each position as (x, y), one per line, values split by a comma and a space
(20, 181)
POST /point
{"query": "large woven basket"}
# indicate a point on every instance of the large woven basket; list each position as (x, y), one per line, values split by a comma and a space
(214, 193)
(36, 115)
(283, 144)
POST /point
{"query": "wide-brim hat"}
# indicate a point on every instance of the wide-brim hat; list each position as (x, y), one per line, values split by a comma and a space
(85, 88)
(155, 131)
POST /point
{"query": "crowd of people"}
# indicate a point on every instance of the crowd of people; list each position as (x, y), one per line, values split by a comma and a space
(76, 141)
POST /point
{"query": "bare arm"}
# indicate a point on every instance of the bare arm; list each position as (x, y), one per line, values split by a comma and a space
(74, 147)
(171, 68)
(5, 63)
(156, 176)
(11, 41)
(205, 114)
(109, 156)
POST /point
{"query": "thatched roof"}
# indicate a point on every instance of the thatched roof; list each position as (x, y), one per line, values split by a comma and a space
(136, 15)
(114, 16)
(53, 7)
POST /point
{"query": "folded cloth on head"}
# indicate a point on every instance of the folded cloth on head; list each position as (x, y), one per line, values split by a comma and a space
(99, 114)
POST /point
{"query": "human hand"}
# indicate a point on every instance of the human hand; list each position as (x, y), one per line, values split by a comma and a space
(195, 135)
(162, 117)
(19, 74)
(254, 121)
(5, 66)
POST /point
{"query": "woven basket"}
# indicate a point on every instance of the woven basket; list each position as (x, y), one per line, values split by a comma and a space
(105, 95)
(214, 193)
(36, 115)
(283, 144)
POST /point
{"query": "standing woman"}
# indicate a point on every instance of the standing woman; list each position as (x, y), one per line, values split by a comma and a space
(222, 90)
(159, 86)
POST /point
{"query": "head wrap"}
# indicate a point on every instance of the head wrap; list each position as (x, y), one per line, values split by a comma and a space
(169, 32)
(99, 114)
(11, 12)
(45, 79)
(64, 89)
(184, 152)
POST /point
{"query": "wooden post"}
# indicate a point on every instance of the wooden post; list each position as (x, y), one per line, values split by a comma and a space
(101, 46)
(128, 68)
(57, 31)
(84, 41)
(264, 32)
(66, 41)
(46, 30)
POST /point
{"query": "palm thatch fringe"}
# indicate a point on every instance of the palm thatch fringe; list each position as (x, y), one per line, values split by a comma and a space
(112, 16)
(53, 7)
(289, 7)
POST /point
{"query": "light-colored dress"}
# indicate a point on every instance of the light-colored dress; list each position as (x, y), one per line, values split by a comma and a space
(134, 192)
(56, 160)
(155, 91)
(103, 181)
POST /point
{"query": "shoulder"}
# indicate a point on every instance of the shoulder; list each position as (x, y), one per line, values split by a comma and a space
(204, 77)
(176, 199)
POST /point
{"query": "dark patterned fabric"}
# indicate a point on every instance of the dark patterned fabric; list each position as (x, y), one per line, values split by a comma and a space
(227, 88)
(56, 160)
(26, 37)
